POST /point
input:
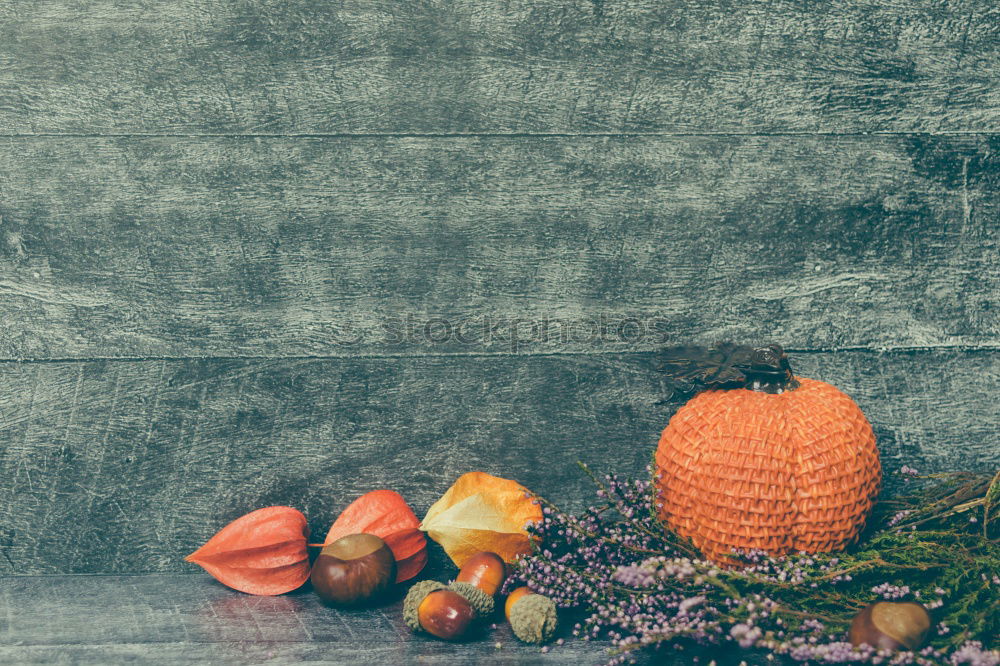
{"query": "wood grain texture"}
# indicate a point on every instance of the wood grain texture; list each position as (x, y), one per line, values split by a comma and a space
(347, 247)
(191, 619)
(499, 66)
(126, 467)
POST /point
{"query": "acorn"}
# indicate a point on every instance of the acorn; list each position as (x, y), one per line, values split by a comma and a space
(437, 609)
(353, 570)
(446, 611)
(445, 614)
(891, 625)
(411, 603)
(512, 598)
(533, 617)
(484, 570)
(482, 602)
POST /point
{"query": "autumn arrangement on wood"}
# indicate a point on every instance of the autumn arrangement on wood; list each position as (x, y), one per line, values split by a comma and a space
(759, 530)
(481, 522)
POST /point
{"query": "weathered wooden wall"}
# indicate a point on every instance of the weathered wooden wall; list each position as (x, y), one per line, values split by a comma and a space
(278, 246)
(127, 466)
(498, 66)
(268, 252)
(258, 252)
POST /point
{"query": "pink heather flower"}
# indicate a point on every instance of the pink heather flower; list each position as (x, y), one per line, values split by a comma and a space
(690, 603)
(972, 653)
(889, 591)
(898, 518)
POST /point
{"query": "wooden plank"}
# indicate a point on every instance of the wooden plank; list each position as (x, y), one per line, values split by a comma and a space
(192, 619)
(342, 654)
(498, 66)
(124, 467)
(344, 247)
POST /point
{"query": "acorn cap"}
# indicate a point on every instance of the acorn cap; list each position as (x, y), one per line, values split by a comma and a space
(482, 602)
(413, 598)
(533, 618)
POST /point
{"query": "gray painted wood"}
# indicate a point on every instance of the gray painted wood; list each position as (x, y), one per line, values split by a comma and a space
(125, 467)
(179, 247)
(192, 619)
(264, 66)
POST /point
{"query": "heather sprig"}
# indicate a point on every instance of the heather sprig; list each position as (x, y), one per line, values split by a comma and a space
(633, 581)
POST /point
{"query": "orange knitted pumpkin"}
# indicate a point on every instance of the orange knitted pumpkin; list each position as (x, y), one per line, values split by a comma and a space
(781, 464)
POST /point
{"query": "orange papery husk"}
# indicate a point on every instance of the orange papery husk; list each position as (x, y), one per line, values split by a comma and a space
(482, 512)
(385, 514)
(263, 552)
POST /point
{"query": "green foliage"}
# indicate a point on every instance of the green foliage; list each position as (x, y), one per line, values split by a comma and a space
(942, 542)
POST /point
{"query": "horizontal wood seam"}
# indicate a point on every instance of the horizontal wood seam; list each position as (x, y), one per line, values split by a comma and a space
(486, 135)
(904, 349)
(124, 644)
(131, 574)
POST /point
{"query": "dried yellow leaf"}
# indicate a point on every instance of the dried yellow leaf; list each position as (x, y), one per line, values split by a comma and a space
(482, 512)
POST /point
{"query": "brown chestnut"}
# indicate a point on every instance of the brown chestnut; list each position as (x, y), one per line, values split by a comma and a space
(353, 570)
(485, 570)
(445, 614)
(891, 625)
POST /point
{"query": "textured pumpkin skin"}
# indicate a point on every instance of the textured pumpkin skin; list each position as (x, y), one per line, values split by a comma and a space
(785, 472)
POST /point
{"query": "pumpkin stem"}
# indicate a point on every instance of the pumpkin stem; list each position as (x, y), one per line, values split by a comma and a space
(769, 371)
(689, 369)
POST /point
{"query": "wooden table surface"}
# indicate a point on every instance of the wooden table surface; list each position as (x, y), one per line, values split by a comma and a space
(189, 618)
(260, 252)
